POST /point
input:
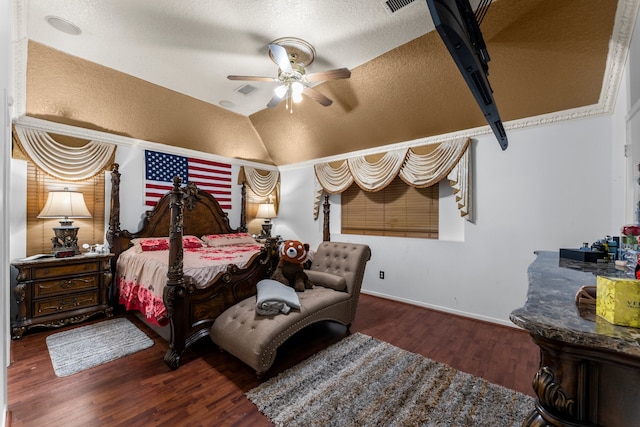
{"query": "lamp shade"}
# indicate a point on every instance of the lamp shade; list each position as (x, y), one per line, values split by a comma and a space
(65, 204)
(266, 210)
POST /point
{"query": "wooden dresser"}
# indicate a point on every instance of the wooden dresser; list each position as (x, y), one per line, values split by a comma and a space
(53, 292)
(589, 368)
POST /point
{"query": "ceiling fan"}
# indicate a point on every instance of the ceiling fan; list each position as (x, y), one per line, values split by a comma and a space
(292, 55)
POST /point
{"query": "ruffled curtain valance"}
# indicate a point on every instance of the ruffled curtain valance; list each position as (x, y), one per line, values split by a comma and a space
(448, 159)
(261, 182)
(264, 183)
(64, 162)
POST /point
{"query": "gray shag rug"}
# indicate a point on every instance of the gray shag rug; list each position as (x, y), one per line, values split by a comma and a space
(82, 348)
(361, 381)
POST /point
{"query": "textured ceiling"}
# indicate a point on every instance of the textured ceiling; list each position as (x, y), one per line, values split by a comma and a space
(191, 46)
(546, 56)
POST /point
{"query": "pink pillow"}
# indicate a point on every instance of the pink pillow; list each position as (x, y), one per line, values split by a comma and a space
(191, 242)
(154, 244)
(162, 243)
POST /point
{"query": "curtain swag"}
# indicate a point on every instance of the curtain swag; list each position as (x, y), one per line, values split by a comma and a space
(64, 162)
(450, 160)
(260, 181)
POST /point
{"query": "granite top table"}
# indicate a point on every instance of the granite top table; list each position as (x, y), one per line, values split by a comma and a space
(589, 368)
(551, 312)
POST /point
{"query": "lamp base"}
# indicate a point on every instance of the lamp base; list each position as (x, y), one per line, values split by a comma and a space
(266, 229)
(65, 239)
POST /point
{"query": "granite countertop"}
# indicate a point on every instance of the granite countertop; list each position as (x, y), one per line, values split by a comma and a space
(551, 311)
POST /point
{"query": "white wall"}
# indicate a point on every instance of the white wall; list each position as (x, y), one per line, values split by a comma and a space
(556, 186)
(550, 189)
(5, 154)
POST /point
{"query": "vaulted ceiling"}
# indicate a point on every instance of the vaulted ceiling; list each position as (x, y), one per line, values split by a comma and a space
(157, 70)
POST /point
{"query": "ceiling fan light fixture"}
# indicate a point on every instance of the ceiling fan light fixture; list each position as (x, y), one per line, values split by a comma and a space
(292, 55)
(297, 88)
(280, 91)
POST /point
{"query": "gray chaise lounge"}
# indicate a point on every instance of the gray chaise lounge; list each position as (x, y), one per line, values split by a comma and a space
(337, 271)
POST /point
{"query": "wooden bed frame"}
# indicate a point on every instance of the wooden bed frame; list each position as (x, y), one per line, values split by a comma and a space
(189, 211)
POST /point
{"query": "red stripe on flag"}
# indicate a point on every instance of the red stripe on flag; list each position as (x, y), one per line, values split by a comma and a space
(196, 176)
(159, 187)
(210, 163)
(210, 170)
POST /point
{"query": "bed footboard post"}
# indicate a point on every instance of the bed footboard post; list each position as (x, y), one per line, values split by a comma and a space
(326, 236)
(175, 281)
(113, 232)
(114, 211)
(243, 208)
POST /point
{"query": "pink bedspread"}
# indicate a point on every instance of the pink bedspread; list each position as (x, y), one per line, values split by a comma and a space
(141, 276)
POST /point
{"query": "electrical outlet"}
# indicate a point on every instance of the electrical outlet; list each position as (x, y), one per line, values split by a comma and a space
(381, 274)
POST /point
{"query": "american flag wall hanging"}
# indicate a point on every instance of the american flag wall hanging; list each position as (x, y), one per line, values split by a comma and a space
(160, 168)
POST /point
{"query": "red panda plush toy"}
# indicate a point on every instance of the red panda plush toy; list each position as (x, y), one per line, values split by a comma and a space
(290, 269)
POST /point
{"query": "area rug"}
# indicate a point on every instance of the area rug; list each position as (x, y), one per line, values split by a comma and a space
(361, 381)
(82, 348)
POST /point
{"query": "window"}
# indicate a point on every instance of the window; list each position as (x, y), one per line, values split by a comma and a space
(397, 210)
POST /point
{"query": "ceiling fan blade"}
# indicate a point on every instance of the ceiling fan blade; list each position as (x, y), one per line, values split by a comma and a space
(317, 96)
(340, 73)
(253, 78)
(281, 57)
(275, 100)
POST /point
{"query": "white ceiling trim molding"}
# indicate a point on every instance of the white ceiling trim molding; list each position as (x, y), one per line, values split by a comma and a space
(82, 133)
(619, 45)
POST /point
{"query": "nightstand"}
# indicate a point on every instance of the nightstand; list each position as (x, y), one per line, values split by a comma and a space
(53, 292)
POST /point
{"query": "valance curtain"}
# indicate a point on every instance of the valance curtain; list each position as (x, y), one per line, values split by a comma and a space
(262, 182)
(449, 159)
(64, 162)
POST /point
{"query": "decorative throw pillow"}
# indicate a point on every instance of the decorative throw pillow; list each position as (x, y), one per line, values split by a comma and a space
(150, 244)
(215, 240)
(191, 242)
(327, 280)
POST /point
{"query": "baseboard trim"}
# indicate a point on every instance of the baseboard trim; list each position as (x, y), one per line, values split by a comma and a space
(443, 309)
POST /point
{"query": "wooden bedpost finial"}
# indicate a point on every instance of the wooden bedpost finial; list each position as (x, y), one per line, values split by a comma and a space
(176, 182)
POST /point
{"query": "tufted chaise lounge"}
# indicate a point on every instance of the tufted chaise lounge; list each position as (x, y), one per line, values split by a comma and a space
(337, 271)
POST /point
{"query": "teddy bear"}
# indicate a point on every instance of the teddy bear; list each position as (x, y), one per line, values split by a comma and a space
(290, 270)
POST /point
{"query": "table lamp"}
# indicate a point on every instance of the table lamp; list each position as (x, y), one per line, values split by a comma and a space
(65, 204)
(266, 211)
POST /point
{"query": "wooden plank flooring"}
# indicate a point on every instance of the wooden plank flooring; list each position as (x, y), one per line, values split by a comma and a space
(208, 389)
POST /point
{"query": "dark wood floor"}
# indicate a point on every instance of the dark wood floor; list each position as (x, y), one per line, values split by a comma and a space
(208, 389)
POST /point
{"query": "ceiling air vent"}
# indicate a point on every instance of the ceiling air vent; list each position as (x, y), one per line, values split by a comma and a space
(392, 6)
(246, 89)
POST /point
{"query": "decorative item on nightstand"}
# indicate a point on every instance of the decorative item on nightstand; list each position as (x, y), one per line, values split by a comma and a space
(65, 204)
(266, 211)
